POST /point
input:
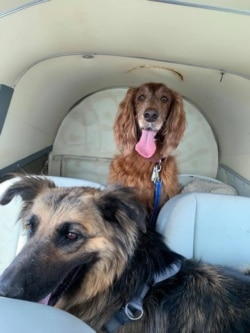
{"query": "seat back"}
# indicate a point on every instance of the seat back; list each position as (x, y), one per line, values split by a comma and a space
(84, 144)
(211, 227)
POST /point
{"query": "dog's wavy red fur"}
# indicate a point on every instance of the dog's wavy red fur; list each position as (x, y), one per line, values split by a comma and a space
(129, 168)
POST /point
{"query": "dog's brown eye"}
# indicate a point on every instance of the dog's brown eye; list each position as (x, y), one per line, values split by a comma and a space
(31, 224)
(71, 236)
(164, 99)
(67, 234)
(141, 98)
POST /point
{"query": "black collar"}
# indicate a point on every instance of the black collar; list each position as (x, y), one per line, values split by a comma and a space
(133, 309)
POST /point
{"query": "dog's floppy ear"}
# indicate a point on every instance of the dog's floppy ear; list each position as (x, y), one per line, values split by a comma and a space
(28, 187)
(125, 130)
(174, 126)
(119, 204)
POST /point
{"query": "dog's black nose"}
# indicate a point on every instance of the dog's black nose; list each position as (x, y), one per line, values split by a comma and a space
(150, 115)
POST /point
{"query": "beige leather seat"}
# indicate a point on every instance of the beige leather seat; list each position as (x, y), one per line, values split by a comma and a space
(211, 227)
(22, 316)
(84, 144)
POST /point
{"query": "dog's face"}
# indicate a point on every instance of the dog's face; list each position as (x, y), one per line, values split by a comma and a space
(150, 107)
(152, 103)
(74, 233)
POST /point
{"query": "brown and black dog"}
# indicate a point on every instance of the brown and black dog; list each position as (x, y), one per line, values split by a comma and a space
(90, 254)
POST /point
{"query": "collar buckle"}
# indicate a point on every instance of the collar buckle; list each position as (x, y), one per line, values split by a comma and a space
(133, 310)
(155, 177)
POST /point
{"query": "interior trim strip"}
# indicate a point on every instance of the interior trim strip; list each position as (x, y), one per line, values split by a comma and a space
(202, 6)
(22, 7)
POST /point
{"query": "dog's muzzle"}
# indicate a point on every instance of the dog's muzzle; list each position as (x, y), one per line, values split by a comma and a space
(150, 115)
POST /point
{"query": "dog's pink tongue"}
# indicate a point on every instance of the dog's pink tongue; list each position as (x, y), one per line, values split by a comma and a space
(45, 300)
(146, 145)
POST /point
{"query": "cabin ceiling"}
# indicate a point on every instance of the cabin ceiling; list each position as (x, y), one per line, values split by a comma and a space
(134, 28)
(55, 52)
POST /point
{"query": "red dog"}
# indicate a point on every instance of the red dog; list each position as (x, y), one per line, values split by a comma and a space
(148, 127)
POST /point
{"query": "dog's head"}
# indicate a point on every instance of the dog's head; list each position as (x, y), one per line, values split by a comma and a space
(153, 107)
(74, 234)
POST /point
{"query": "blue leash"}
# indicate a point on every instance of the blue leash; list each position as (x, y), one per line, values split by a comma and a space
(157, 193)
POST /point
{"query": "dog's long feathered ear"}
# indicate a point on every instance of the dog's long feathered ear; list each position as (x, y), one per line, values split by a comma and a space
(174, 126)
(119, 205)
(28, 187)
(125, 130)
